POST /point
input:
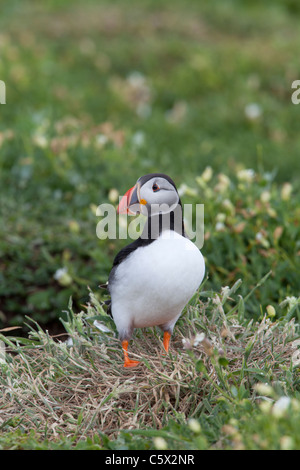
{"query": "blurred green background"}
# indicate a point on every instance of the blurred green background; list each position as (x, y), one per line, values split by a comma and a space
(99, 93)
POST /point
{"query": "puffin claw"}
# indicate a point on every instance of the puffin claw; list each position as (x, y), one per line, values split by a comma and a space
(131, 363)
(128, 362)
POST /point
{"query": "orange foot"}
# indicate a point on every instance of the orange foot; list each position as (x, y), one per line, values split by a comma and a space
(128, 362)
(131, 363)
(166, 341)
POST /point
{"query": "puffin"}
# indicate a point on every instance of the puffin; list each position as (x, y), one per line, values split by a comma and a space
(154, 277)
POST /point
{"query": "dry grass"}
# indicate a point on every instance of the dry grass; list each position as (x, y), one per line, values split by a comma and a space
(82, 389)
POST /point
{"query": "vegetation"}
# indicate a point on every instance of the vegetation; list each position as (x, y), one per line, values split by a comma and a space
(221, 371)
(97, 94)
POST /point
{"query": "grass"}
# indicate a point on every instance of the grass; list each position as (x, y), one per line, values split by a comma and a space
(98, 94)
(90, 108)
(76, 394)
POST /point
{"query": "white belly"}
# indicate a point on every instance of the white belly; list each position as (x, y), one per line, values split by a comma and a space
(155, 282)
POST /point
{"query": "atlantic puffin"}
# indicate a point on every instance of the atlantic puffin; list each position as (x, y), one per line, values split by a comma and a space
(154, 277)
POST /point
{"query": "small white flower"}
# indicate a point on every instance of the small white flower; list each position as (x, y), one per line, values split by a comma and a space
(265, 406)
(184, 189)
(101, 140)
(138, 139)
(264, 389)
(198, 339)
(253, 111)
(40, 140)
(160, 443)
(221, 217)
(286, 191)
(225, 292)
(186, 343)
(246, 175)
(291, 301)
(295, 404)
(224, 179)
(207, 174)
(69, 342)
(219, 226)
(227, 204)
(94, 208)
(136, 78)
(262, 240)
(194, 426)
(62, 277)
(268, 176)
(281, 406)
(265, 196)
(272, 213)
(223, 183)
(59, 273)
(113, 195)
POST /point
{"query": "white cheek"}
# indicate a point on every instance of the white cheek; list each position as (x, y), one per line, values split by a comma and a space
(146, 193)
(162, 201)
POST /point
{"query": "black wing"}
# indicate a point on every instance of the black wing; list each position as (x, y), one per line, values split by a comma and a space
(121, 256)
(124, 253)
(127, 250)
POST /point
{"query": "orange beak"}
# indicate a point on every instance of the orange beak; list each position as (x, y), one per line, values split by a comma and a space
(130, 200)
(127, 200)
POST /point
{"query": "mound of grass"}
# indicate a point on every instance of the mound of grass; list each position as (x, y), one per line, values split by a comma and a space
(76, 393)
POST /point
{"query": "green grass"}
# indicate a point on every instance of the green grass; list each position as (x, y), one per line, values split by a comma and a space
(226, 383)
(99, 93)
(76, 126)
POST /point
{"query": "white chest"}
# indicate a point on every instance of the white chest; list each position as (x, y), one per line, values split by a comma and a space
(155, 282)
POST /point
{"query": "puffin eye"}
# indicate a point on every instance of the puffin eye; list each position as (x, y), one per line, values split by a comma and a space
(155, 187)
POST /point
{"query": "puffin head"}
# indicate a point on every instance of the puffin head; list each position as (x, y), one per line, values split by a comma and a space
(152, 194)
